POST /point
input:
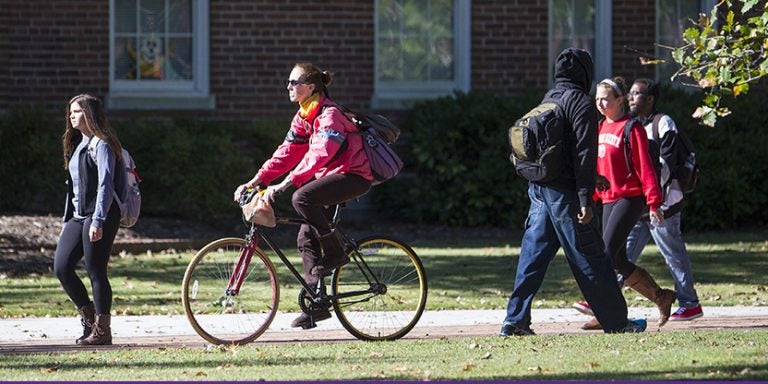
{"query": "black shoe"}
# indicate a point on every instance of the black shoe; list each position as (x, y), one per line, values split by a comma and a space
(306, 321)
(512, 330)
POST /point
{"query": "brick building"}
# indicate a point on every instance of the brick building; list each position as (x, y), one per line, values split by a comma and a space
(229, 59)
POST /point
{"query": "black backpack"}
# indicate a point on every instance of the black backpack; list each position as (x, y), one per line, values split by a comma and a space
(537, 141)
(687, 171)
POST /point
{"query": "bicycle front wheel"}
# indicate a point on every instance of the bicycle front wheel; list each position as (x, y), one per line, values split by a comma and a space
(382, 292)
(223, 316)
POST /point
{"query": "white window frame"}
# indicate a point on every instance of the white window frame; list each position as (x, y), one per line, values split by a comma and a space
(602, 56)
(167, 94)
(401, 95)
(705, 6)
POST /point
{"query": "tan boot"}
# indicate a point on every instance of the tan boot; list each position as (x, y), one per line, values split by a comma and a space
(101, 333)
(642, 282)
(87, 318)
(591, 325)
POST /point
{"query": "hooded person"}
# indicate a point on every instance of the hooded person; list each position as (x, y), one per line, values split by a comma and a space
(561, 213)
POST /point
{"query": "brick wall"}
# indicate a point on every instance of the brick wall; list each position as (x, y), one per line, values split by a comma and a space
(52, 50)
(254, 44)
(509, 46)
(48, 56)
(634, 29)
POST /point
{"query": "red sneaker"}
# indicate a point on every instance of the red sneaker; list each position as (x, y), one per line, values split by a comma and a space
(583, 307)
(685, 314)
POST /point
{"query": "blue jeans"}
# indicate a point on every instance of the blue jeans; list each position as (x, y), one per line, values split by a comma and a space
(552, 224)
(668, 237)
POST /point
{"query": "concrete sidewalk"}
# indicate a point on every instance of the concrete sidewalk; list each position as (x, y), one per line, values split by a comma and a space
(65, 328)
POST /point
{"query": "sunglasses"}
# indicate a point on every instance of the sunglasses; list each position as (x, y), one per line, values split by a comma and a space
(293, 83)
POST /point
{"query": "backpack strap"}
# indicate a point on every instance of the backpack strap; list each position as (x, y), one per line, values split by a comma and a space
(627, 147)
(655, 127)
(92, 152)
(344, 145)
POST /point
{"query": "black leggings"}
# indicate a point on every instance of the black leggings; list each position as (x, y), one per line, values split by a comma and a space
(313, 201)
(73, 244)
(619, 218)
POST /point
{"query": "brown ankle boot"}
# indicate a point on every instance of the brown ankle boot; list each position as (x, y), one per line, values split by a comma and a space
(87, 318)
(334, 255)
(101, 333)
(642, 282)
(591, 325)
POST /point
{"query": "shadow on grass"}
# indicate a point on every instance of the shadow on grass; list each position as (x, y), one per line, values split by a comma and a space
(454, 272)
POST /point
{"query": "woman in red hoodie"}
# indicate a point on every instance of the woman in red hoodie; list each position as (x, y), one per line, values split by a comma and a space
(628, 187)
(327, 164)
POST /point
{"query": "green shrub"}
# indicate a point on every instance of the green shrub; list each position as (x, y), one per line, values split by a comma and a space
(732, 190)
(31, 164)
(457, 169)
(190, 168)
(457, 172)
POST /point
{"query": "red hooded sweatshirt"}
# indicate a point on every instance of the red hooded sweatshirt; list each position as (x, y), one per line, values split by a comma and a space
(311, 145)
(636, 180)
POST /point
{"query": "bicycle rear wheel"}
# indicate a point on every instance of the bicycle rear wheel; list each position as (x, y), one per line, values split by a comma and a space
(392, 287)
(222, 317)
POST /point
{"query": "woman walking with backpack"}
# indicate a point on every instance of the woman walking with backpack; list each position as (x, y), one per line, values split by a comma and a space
(628, 188)
(92, 157)
(325, 161)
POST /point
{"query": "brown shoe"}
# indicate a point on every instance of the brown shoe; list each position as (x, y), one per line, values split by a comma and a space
(592, 325)
(101, 334)
(87, 318)
(642, 282)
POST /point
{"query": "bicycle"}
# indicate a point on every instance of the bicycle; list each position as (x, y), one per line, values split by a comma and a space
(231, 293)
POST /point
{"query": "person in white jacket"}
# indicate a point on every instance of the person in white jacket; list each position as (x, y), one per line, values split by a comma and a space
(643, 97)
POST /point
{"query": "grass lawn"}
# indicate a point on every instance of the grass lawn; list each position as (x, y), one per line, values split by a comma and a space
(682, 355)
(730, 269)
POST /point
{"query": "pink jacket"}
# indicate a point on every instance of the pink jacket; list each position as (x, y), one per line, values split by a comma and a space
(312, 143)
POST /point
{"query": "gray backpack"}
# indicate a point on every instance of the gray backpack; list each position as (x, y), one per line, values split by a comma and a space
(130, 203)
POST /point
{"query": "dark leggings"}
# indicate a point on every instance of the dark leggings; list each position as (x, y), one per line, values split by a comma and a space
(314, 202)
(73, 244)
(619, 218)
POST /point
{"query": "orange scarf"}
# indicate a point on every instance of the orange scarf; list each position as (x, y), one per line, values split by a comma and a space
(309, 106)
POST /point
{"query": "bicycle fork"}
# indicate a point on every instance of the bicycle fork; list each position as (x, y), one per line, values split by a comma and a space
(240, 269)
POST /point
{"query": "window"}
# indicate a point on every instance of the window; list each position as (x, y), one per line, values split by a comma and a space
(672, 19)
(159, 54)
(582, 24)
(421, 50)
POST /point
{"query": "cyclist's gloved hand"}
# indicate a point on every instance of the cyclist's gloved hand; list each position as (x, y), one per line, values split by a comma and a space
(253, 183)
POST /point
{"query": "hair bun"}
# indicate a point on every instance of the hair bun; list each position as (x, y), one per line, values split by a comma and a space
(327, 78)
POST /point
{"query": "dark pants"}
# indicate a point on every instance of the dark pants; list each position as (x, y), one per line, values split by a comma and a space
(552, 224)
(619, 217)
(73, 245)
(314, 201)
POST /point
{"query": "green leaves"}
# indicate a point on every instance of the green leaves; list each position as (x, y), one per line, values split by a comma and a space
(724, 62)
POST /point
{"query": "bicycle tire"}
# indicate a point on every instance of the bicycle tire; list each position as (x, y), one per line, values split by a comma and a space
(388, 315)
(222, 318)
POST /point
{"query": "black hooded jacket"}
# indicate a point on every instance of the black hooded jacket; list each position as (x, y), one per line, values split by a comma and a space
(574, 71)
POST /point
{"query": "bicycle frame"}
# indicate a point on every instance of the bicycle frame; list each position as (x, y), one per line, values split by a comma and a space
(257, 232)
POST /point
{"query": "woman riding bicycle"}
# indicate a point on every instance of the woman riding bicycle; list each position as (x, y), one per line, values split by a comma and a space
(326, 162)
